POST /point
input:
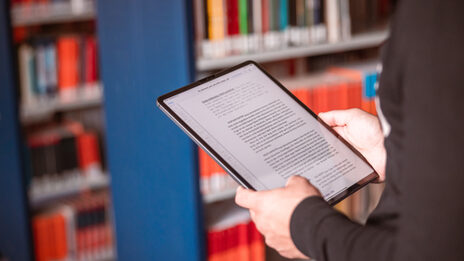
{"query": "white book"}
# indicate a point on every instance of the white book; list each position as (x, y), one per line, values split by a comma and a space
(345, 20)
(332, 20)
(257, 18)
(40, 70)
(25, 57)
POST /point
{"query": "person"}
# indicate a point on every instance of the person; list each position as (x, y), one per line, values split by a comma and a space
(417, 150)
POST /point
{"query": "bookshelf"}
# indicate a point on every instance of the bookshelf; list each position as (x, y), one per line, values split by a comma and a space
(356, 42)
(28, 14)
(45, 108)
(53, 71)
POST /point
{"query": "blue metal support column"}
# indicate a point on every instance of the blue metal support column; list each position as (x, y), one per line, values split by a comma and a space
(15, 241)
(145, 48)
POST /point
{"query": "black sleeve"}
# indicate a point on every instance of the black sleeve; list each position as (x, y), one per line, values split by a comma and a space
(422, 97)
(323, 233)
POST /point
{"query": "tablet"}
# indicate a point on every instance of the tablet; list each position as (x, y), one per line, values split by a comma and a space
(261, 134)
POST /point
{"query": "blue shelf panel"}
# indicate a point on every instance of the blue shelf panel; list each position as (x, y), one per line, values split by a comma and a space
(145, 52)
(14, 221)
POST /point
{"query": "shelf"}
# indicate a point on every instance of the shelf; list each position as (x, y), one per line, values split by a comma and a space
(84, 97)
(219, 196)
(360, 41)
(53, 12)
(76, 186)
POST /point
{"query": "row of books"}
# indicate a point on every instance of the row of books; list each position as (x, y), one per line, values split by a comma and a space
(228, 27)
(61, 155)
(338, 88)
(57, 67)
(232, 236)
(78, 229)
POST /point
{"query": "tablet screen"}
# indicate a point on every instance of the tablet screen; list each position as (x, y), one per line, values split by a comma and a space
(265, 135)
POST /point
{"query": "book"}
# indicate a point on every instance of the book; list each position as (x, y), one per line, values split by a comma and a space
(78, 229)
(68, 66)
(232, 235)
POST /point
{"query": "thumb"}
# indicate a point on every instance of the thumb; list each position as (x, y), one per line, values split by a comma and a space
(337, 117)
(246, 198)
(296, 181)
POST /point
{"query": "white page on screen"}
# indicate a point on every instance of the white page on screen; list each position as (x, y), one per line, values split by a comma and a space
(265, 135)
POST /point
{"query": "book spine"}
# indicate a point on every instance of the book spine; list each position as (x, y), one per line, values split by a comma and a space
(243, 16)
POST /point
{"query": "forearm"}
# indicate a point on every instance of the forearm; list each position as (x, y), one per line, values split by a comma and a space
(324, 234)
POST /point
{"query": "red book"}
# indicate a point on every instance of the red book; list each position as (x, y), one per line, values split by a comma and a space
(91, 66)
(265, 15)
(232, 17)
(232, 243)
(257, 251)
(243, 243)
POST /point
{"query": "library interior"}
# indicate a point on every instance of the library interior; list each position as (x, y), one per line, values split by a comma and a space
(92, 170)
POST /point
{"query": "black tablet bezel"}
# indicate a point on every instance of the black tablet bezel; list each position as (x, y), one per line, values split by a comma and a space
(231, 171)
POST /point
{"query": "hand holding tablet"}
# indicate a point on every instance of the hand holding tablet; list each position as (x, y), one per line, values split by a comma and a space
(262, 135)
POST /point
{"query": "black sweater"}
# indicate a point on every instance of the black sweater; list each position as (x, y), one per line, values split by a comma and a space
(421, 213)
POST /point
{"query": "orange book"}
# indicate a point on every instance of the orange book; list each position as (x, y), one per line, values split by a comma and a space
(373, 108)
(309, 97)
(354, 94)
(39, 228)
(216, 19)
(60, 239)
(68, 62)
(333, 97)
(320, 99)
(88, 150)
(366, 105)
(203, 170)
(343, 95)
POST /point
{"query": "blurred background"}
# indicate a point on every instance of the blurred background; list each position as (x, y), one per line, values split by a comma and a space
(91, 170)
